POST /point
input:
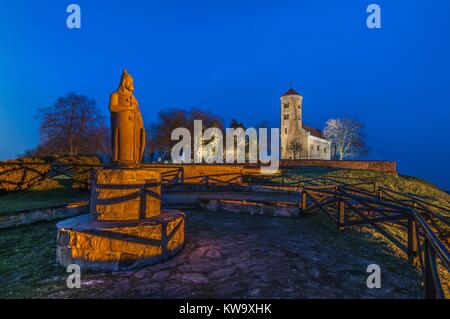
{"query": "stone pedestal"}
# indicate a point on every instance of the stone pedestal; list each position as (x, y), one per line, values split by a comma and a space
(117, 246)
(125, 228)
(125, 194)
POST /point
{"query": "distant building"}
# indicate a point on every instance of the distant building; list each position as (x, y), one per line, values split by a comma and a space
(299, 141)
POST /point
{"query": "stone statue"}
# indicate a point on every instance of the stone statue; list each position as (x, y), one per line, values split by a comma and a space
(127, 126)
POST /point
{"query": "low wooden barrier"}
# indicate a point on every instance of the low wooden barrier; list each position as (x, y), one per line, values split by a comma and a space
(427, 233)
(222, 174)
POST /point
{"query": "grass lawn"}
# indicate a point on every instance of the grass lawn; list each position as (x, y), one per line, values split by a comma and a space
(28, 260)
(40, 199)
(403, 184)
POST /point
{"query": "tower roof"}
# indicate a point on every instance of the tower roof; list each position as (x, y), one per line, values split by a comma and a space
(291, 91)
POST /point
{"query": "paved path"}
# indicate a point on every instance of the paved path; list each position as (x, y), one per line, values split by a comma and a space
(239, 256)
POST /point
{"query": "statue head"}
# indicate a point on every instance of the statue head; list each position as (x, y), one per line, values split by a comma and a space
(126, 83)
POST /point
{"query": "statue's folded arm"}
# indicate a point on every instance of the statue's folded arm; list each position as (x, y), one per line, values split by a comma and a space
(115, 107)
(120, 108)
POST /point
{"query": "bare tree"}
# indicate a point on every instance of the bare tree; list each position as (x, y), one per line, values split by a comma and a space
(73, 125)
(168, 120)
(294, 147)
(171, 119)
(235, 124)
(347, 137)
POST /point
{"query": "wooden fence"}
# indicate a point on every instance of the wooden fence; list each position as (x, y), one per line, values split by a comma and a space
(427, 233)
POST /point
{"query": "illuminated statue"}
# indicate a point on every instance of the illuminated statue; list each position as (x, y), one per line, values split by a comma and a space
(127, 126)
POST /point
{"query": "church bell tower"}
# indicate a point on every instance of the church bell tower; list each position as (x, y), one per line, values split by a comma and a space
(291, 122)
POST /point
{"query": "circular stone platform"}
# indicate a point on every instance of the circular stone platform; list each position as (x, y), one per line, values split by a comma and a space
(119, 245)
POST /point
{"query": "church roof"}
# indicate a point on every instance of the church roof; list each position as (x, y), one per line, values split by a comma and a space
(314, 132)
(291, 91)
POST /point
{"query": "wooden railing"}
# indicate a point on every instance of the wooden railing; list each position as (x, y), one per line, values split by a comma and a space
(425, 241)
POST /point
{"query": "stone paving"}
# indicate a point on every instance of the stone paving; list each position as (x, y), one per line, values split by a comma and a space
(239, 256)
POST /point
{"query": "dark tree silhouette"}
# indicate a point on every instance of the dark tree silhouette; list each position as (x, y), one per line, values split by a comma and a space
(160, 141)
(294, 147)
(73, 125)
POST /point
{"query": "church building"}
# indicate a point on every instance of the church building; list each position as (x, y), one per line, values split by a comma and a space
(299, 141)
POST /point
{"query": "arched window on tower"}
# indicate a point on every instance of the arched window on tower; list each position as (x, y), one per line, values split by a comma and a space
(286, 105)
(286, 116)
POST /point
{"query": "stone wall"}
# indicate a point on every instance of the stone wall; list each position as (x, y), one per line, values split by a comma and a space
(196, 173)
(26, 217)
(254, 208)
(380, 166)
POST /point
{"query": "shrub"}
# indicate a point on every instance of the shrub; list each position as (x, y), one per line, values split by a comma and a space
(24, 173)
(79, 169)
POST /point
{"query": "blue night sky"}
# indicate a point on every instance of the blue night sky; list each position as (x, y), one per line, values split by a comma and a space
(236, 58)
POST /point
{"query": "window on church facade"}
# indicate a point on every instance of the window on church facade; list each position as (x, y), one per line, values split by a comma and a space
(286, 105)
(318, 148)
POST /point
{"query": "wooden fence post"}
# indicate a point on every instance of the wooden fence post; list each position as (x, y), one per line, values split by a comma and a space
(94, 193)
(428, 281)
(413, 246)
(341, 215)
(303, 202)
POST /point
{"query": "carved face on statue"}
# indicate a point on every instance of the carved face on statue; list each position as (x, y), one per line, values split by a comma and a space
(126, 83)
